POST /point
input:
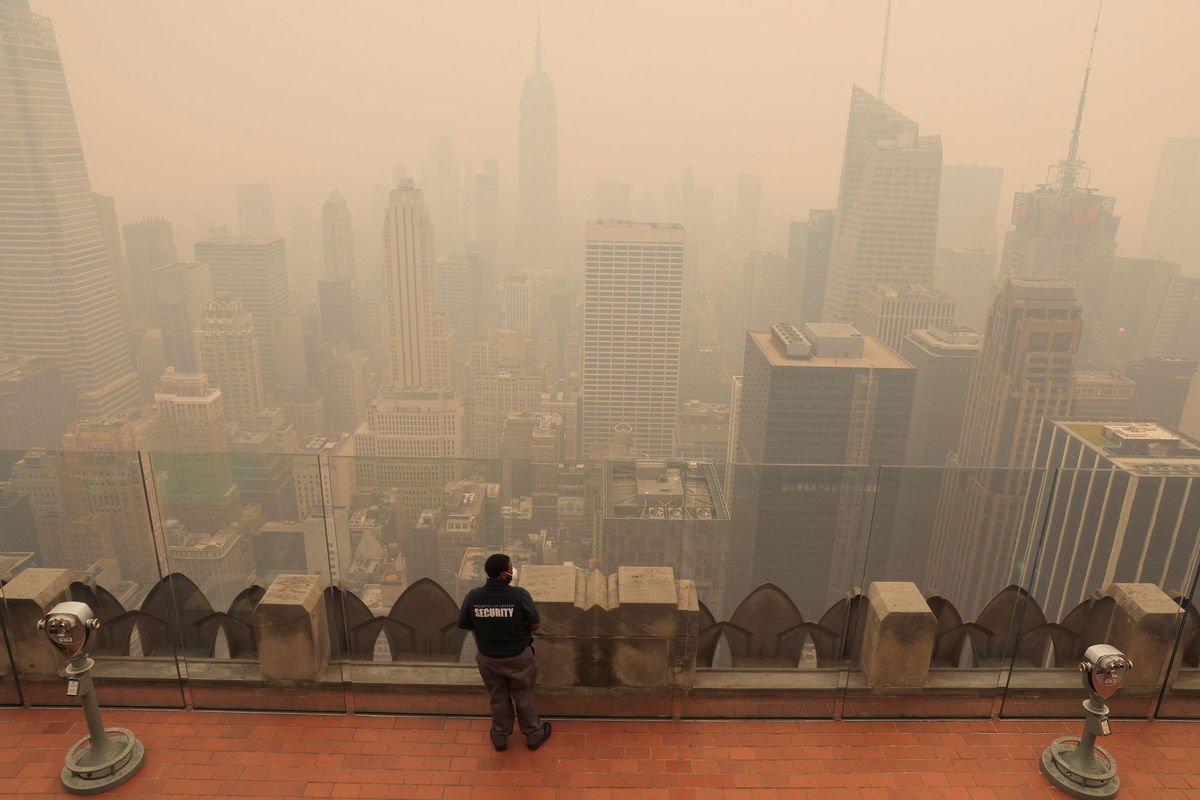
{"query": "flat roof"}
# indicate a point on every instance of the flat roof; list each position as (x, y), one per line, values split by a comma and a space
(1183, 462)
(876, 355)
(673, 489)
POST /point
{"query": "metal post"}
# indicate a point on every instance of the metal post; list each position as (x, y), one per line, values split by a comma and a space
(1076, 764)
(80, 670)
(106, 757)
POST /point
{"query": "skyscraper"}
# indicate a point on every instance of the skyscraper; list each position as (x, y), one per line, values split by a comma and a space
(110, 228)
(746, 214)
(458, 290)
(36, 405)
(59, 298)
(518, 304)
(1124, 509)
(253, 269)
(337, 238)
(1022, 375)
(765, 283)
(227, 350)
(824, 395)
(944, 357)
(890, 313)
(1065, 229)
(1171, 230)
(886, 228)
(149, 244)
(538, 169)
(408, 283)
(633, 311)
(1101, 395)
(970, 198)
(179, 293)
(443, 196)
(1162, 387)
(256, 209)
(484, 234)
(809, 242)
(347, 393)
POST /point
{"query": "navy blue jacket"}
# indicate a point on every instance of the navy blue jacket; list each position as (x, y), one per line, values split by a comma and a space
(500, 616)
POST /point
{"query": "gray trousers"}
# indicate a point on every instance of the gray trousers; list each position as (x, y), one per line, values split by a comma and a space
(510, 681)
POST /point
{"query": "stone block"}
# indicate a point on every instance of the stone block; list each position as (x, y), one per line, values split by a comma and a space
(1144, 625)
(293, 634)
(27, 598)
(899, 636)
(630, 628)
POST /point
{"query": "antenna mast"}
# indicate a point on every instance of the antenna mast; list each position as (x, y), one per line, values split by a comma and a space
(538, 55)
(887, 25)
(1070, 167)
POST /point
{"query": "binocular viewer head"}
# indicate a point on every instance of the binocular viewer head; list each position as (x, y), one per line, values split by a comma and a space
(68, 626)
(1104, 669)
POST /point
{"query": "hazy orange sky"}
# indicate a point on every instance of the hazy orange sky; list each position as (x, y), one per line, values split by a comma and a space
(179, 100)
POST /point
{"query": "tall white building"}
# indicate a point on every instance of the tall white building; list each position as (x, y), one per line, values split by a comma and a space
(408, 283)
(538, 168)
(633, 314)
(59, 298)
(337, 238)
(886, 229)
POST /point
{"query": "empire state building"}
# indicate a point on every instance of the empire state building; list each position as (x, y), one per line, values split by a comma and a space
(538, 163)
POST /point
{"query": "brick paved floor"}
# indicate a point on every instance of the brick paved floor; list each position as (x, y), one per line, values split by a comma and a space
(200, 755)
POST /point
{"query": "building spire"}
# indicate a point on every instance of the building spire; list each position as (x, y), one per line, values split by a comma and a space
(1069, 174)
(887, 25)
(537, 61)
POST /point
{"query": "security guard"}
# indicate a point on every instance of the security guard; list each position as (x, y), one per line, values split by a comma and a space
(503, 618)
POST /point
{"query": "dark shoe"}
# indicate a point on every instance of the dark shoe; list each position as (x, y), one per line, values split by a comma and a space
(499, 740)
(536, 741)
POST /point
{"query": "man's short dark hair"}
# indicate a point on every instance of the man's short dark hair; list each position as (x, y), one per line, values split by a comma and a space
(496, 564)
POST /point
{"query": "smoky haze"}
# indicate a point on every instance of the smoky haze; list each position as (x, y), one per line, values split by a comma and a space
(178, 101)
(654, 284)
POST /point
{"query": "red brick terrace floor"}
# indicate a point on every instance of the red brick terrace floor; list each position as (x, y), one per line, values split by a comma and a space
(208, 755)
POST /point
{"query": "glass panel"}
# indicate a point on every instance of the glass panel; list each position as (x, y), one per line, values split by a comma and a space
(10, 691)
(408, 538)
(1181, 687)
(85, 508)
(960, 537)
(1100, 529)
(230, 527)
(789, 619)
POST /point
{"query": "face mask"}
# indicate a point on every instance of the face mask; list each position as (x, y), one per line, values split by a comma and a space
(512, 574)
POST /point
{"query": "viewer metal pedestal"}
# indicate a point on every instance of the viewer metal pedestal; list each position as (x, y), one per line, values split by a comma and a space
(1077, 765)
(106, 757)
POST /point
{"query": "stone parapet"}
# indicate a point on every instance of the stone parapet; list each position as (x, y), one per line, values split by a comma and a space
(636, 627)
(27, 598)
(292, 630)
(1144, 625)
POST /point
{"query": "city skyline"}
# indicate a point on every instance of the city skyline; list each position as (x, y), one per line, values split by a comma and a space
(1050, 40)
(379, 379)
